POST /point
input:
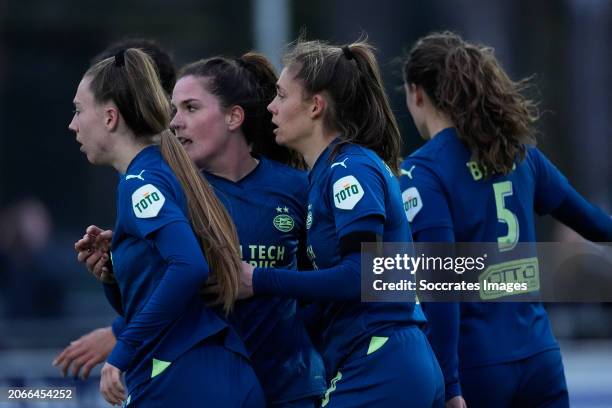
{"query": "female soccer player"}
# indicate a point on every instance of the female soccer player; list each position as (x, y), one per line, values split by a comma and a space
(331, 107)
(479, 178)
(222, 121)
(94, 347)
(173, 350)
(220, 118)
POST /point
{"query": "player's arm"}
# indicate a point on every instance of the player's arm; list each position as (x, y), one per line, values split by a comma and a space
(118, 325)
(340, 282)
(358, 217)
(583, 217)
(187, 271)
(554, 195)
(86, 352)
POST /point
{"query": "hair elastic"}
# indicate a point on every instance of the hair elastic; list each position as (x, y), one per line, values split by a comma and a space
(348, 53)
(120, 58)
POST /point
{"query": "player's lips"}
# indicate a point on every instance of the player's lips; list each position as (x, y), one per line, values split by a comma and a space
(183, 140)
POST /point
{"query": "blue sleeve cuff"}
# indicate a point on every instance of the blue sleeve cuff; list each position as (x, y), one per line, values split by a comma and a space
(121, 356)
(452, 390)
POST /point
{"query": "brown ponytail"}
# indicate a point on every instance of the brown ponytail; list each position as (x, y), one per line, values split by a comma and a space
(209, 219)
(466, 82)
(130, 80)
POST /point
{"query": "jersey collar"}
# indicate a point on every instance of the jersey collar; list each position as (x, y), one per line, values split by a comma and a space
(252, 175)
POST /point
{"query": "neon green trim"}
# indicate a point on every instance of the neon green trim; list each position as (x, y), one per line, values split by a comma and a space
(159, 366)
(376, 343)
(331, 389)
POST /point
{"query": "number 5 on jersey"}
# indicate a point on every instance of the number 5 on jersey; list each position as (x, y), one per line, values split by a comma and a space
(504, 215)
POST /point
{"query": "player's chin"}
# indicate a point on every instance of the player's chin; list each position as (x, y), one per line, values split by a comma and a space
(94, 158)
(87, 154)
(279, 138)
(192, 152)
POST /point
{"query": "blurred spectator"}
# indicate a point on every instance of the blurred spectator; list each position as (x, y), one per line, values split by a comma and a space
(30, 283)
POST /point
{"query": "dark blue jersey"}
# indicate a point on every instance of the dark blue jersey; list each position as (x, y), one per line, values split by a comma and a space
(354, 192)
(268, 207)
(444, 189)
(157, 281)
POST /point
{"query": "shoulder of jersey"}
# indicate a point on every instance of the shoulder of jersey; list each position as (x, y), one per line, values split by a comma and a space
(347, 191)
(145, 190)
(434, 148)
(409, 180)
(431, 156)
(147, 201)
(351, 156)
(423, 153)
(533, 159)
(147, 175)
(412, 161)
(532, 152)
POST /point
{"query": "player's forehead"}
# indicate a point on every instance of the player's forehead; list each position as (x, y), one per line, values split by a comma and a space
(83, 93)
(190, 88)
(287, 80)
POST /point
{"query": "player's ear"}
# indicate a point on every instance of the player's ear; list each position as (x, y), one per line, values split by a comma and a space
(235, 117)
(420, 95)
(415, 94)
(318, 105)
(111, 118)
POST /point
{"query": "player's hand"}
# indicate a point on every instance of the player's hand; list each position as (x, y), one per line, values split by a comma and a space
(456, 402)
(86, 352)
(111, 386)
(94, 251)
